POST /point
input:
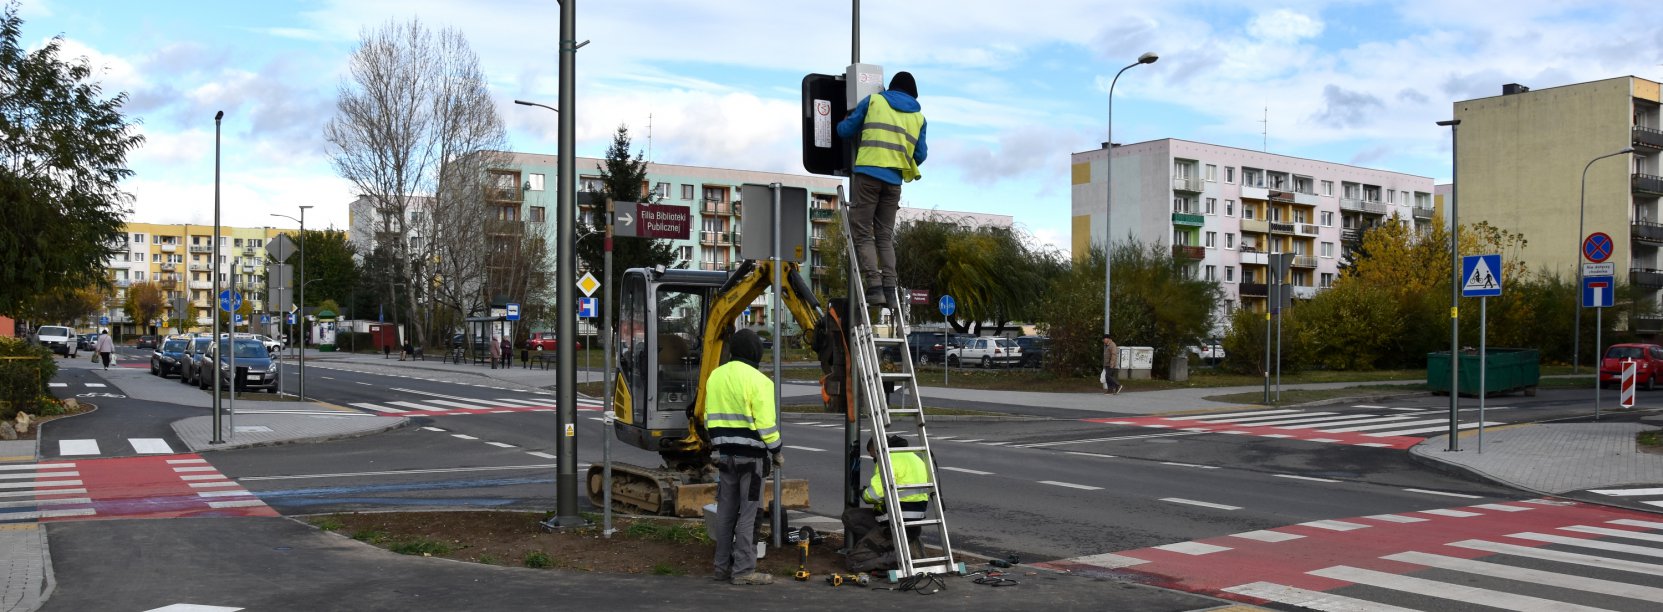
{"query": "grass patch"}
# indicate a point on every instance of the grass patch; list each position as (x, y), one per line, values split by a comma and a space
(1650, 439)
(1300, 396)
(422, 547)
(486, 559)
(328, 523)
(370, 536)
(538, 559)
(665, 569)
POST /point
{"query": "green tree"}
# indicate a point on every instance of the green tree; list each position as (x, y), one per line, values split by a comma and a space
(992, 272)
(63, 150)
(331, 265)
(1156, 303)
(144, 303)
(68, 306)
(623, 179)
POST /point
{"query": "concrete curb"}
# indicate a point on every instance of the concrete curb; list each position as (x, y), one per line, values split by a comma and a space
(396, 423)
(1462, 471)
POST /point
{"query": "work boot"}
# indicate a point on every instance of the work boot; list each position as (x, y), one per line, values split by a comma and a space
(753, 578)
(874, 296)
(892, 297)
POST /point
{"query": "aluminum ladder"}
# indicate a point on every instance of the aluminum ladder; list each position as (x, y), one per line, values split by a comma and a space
(869, 379)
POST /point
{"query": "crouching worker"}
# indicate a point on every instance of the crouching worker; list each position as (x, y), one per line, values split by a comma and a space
(874, 546)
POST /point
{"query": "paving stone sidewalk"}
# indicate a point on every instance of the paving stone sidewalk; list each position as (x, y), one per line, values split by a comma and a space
(289, 425)
(25, 567)
(1555, 457)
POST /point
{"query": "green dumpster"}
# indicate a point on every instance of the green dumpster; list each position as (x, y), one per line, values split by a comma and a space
(1508, 370)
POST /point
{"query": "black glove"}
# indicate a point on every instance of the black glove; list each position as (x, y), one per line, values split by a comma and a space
(779, 460)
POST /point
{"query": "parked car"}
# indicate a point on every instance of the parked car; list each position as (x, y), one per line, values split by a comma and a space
(1648, 364)
(58, 339)
(544, 341)
(1210, 353)
(986, 352)
(1033, 350)
(87, 342)
(255, 369)
(146, 342)
(168, 358)
(926, 347)
(192, 360)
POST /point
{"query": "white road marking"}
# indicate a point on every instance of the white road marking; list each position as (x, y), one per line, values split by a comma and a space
(1627, 492)
(29, 503)
(527, 403)
(236, 503)
(463, 436)
(1350, 420)
(37, 466)
(1417, 430)
(191, 477)
(543, 455)
(434, 429)
(185, 461)
(1502, 507)
(1256, 421)
(55, 385)
(1192, 548)
(541, 466)
(1169, 434)
(1451, 513)
(415, 406)
(1315, 600)
(236, 493)
(1098, 455)
(1199, 417)
(150, 446)
(1562, 557)
(1635, 523)
(182, 470)
(1615, 533)
(1334, 525)
(1180, 500)
(1588, 543)
(43, 492)
(1385, 426)
(21, 476)
(1310, 478)
(1369, 407)
(213, 485)
(463, 405)
(1396, 518)
(97, 385)
(77, 447)
(363, 383)
(968, 441)
(41, 483)
(1444, 493)
(806, 448)
(1444, 590)
(501, 445)
(1522, 574)
(967, 471)
(1347, 419)
(1070, 485)
(1192, 465)
(1267, 536)
(51, 513)
(1108, 561)
(376, 407)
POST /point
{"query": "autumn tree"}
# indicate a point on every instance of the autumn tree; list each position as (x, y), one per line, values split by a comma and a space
(63, 150)
(414, 119)
(68, 306)
(144, 303)
(623, 179)
(992, 272)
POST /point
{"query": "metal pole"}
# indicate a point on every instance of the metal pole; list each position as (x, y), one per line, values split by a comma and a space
(1108, 187)
(231, 347)
(850, 391)
(777, 513)
(1483, 364)
(213, 266)
(1279, 314)
(301, 317)
(1270, 292)
(606, 378)
(1599, 328)
(854, 35)
(565, 278)
(1581, 217)
(1454, 289)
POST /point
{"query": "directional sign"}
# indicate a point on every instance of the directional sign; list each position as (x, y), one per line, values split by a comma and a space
(1597, 291)
(1597, 247)
(918, 296)
(1482, 274)
(641, 220)
(948, 306)
(291, 318)
(230, 301)
(280, 247)
(588, 284)
(588, 307)
(513, 312)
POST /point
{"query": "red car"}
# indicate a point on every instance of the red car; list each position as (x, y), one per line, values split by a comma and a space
(544, 341)
(1648, 364)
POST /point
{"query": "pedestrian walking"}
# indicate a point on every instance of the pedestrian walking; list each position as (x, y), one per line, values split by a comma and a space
(507, 352)
(1111, 360)
(106, 345)
(890, 125)
(739, 414)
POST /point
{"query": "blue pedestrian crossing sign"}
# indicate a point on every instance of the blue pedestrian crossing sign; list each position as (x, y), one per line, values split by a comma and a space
(588, 307)
(1481, 276)
(265, 319)
(1597, 291)
(103, 320)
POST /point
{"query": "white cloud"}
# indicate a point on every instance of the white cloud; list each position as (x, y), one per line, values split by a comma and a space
(1284, 25)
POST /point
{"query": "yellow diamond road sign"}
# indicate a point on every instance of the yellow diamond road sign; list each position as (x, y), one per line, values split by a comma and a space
(588, 284)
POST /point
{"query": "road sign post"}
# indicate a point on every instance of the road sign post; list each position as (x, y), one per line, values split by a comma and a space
(1481, 276)
(947, 306)
(1596, 248)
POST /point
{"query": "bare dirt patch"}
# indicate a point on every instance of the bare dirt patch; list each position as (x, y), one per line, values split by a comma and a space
(670, 547)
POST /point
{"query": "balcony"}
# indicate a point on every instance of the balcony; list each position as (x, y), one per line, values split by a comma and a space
(1187, 184)
(503, 194)
(1375, 207)
(1251, 257)
(1255, 225)
(724, 238)
(718, 266)
(1351, 204)
(167, 284)
(1306, 229)
(736, 238)
(1647, 232)
(170, 248)
(121, 283)
(201, 285)
(714, 207)
(168, 267)
(1254, 193)
(1193, 220)
(1281, 196)
(1254, 290)
(248, 251)
(822, 215)
(1647, 137)
(1648, 184)
(1351, 235)
(1423, 213)
(200, 267)
(819, 271)
(1305, 199)
(1645, 277)
(1192, 253)
(1277, 227)
(819, 243)
(707, 238)
(1304, 261)
(1646, 324)
(202, 249)
(1304, 293)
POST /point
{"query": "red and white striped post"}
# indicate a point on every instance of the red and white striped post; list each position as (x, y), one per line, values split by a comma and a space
(1625, 398)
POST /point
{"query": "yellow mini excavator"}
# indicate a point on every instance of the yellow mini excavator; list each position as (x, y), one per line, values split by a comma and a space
(673, 328)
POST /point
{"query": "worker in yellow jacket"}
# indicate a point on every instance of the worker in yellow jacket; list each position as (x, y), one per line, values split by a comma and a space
(910, 469)
(739, 416)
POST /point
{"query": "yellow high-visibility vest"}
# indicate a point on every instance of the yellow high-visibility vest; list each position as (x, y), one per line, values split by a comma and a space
(888, 138)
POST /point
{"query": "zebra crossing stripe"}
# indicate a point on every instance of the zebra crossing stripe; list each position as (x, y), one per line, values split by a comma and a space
(1443, 590)
(1559, 556)
(1199, 417)
(1522, 574)
(376, 407)
(1627, 492)
(1315, 600)
(1348, 421)
(1645, 551)
(1615, 533)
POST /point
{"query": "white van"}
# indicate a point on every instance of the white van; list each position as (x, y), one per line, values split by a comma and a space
(58, 339)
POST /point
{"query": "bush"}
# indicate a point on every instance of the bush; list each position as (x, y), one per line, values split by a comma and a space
(24, 371)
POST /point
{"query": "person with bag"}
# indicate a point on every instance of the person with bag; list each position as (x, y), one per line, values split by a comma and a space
(105, 346)
(1111, 360)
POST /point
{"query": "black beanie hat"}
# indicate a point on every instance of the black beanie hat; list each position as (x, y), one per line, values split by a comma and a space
(902, 82)
(746, 346)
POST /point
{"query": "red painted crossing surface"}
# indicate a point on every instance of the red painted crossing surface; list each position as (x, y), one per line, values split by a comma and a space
(150, 487)
(1310, 434)
(1211, 565)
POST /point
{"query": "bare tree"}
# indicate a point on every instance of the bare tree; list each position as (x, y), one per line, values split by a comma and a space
(415, 120)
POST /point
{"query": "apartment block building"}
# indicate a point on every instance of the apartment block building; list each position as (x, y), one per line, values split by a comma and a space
(1223, 210)
(1521, 158)
(183, 260)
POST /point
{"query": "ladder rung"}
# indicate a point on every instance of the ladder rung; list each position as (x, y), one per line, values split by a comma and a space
(915, 562)
(895, 375)
(906, 449)
(884, 340)
(904, 410)
(907, 487)
(921, 522)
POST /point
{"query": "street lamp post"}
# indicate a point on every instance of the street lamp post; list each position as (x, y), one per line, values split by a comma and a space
(1108, 185)
(213, 266)
(1581, 217)
(301, 316)
(1454, 287)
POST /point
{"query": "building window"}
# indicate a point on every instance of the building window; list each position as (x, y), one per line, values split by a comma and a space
(1328, 188)
(1247, 212)
(138, 276)
(1210, 273)
(1328, 250)
(1229, 208)
(1229, 240)
(590, 183)
(661, 191)
(1212, 206)
(1212, 240)
(1327, 219)
(1391, 196)
(534, 182)
(1301, 278)
(715, 194)
(1327, 280)
(138, 238)
(686, 192)
(1212, 173)
(1298, 215)
(1230, 174)
(536, 214)
(1229, 274)
(155, 258)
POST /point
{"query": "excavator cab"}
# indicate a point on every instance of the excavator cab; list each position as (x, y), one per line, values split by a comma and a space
(661, 323)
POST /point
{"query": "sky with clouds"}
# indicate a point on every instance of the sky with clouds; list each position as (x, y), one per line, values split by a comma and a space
(1010, 89)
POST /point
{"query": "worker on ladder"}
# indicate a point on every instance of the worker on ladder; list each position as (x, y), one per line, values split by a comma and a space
(910, 469)
(891, 125)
